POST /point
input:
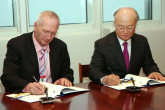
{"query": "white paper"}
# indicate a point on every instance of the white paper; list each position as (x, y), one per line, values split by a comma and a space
(54, 91)
(26, 98)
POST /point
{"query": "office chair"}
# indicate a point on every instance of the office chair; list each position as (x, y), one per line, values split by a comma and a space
(83, 72)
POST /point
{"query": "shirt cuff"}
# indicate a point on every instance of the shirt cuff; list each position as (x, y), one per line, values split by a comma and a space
(101, 80)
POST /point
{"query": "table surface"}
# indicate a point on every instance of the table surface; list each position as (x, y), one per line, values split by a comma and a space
(99, 98)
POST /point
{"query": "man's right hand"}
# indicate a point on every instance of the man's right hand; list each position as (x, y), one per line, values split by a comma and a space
(34, 88)
(111, 80)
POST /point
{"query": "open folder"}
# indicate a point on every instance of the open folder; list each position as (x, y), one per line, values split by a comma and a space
(58, 90)
(138, 80)
(54, 91)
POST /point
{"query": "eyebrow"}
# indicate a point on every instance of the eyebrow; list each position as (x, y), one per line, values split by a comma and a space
(125, 26)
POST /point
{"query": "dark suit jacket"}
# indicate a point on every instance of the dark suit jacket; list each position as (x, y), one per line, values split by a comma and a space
(108, 53)
(21, 62)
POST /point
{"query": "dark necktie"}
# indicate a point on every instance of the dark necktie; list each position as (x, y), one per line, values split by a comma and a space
(126, 55)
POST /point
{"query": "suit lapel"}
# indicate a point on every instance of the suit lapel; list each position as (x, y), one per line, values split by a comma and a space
(53, 58)
(134, 52)
(117, 52)
(31, 53)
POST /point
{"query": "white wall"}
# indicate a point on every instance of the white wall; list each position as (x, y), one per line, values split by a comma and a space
(163, 11)
(2, 56)
(156, 39)
(80, 47)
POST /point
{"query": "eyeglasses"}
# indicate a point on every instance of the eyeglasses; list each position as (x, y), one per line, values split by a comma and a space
(48, 33)
(127, 28)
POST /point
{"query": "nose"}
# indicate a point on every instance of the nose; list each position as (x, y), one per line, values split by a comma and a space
(48, 35)
(126, 30)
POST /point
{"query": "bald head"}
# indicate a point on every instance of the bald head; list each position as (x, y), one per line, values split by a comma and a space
(48, 14)
(125, 22)
(126, 12)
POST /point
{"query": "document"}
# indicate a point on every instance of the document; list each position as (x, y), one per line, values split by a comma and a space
(54, 91)
(138, 80)
(58, 90)
(27, 98)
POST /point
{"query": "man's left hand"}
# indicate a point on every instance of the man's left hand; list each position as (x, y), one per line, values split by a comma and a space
(156, 76)
(63, 82)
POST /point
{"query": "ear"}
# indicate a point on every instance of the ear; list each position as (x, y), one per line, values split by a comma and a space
(35, 26)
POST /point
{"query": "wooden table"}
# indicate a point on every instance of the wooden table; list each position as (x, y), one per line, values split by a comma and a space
(99, 98)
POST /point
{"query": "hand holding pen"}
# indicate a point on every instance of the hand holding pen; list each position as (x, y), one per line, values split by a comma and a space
(45, 88)
(42, 88)
(111, 79)
(34, 88)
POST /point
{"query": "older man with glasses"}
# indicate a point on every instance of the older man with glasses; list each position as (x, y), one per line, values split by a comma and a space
(122, 52)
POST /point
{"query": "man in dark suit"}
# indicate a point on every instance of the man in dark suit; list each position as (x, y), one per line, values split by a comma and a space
(24, 53)
(122, 52)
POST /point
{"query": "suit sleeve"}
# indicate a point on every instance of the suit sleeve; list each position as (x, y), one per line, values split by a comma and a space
(67, 72)
(11, 70)
(149, 65)
(96, 68)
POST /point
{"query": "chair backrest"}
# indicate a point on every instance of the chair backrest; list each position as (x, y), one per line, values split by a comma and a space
(83, 72)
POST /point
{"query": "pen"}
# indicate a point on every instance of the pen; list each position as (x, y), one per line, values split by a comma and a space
(110, 71)
(35, 78)
(46, 91)
(133, 81)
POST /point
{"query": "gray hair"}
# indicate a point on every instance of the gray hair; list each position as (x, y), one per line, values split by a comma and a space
(47, 13)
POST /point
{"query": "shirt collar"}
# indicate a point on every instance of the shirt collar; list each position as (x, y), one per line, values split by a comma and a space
(38, 47)
(122, 41)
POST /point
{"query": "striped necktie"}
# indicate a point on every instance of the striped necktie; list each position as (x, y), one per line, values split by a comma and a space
(42, 65)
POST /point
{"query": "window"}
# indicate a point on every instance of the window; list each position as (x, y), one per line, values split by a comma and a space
(8, 17)
(110, 6)
(18, 16)
(69, 11)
